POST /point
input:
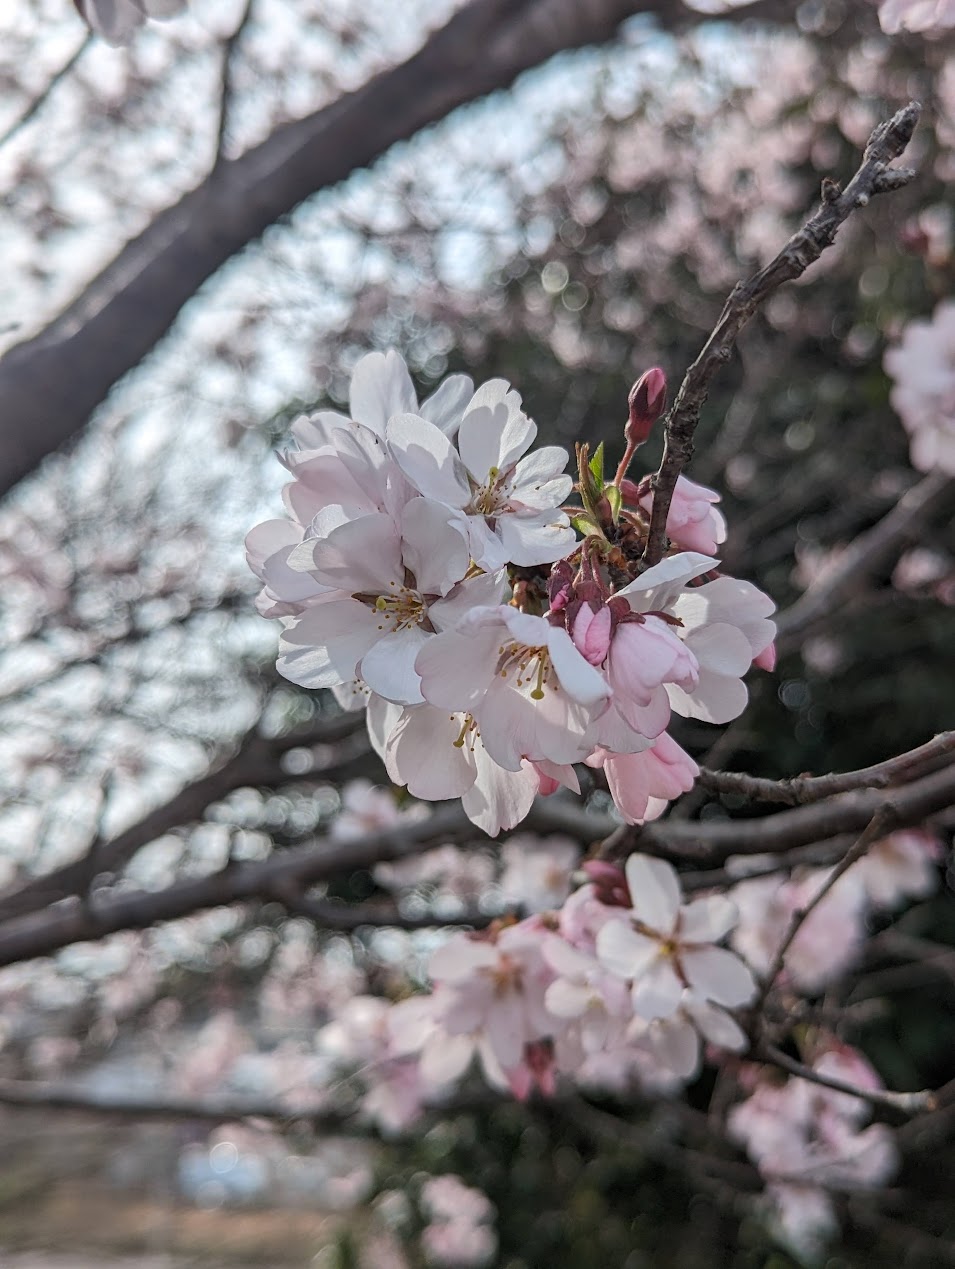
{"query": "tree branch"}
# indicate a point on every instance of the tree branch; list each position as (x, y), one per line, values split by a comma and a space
(256, 762)
(869, 552)
(805, 789)
(50, 384)
(882, 1099)
(874, 176)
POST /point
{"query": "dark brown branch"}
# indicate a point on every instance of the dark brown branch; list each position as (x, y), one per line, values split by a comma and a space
(257, 762)
(50, 384)
(869, 552)
(713, 841)
(331, 915)
(805, 789)
(874, 176)
(27, 1094)
(293, 870)
(74, 921)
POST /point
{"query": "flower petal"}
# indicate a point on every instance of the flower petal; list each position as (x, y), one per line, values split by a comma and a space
(654, 891)
(718, 975)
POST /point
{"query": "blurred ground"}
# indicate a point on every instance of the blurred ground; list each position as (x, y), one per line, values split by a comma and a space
(66, 1204)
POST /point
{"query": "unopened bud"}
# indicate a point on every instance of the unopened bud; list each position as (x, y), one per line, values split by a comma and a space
(647, 401)
(630, 492)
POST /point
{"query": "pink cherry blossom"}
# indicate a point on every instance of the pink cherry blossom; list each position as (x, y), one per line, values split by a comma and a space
(902, 866)
(642, 784)
(828, 940)
(916, 15)
(693, 522)
(921, 364)
(538, 870)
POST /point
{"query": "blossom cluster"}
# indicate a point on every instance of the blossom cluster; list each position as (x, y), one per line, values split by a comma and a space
(924, 391)
(808, 1140)
(431, 571)
(626, 974)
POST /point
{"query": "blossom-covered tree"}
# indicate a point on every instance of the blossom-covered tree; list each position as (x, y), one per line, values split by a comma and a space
(494, 841)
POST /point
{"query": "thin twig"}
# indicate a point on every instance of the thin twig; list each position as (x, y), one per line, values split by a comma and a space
(883, 1099)
(805, 789)
(38, 101)
(877, 827)
(874, 176)
(869, 552)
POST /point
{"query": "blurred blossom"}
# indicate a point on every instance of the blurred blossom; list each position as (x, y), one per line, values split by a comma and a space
(924, 393)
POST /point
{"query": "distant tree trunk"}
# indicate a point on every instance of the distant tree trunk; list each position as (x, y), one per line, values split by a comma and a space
(51, 383)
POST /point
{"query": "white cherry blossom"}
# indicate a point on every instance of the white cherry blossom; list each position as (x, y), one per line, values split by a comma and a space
(511, 502)
(396, 585)
(664, 947)
(530, 692)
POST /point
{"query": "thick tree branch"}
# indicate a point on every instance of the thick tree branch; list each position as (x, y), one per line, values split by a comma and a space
(257, 762)
(293, 870)
(50, 384)
(875, 176)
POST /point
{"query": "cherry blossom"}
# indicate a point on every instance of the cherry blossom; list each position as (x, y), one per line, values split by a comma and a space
(916, 15)
(402, 582)
(693, 522)
(538, 870)
(531, 693)
(806, 1139)
(665, 947)
(828, 939)
(921, 365)
(511, 502)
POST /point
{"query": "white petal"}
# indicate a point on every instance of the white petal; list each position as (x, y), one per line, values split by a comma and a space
(675, 1043)
(388, 666)
(362, 555)
(717, 1026)
(498, 799)
(381, 387)
(718, 975)
(428, 459)
(715, 699)
(433, 546)
(657, 992)
(707, 920)
(624, 951)
(577, 676)
(446, 404)
(536, 539)
(654, 892)
(494, 431)
(565, 999)
(445, 1058)
(325, 644)
(423, 755)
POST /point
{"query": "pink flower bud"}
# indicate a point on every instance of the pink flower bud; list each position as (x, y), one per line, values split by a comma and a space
(647, 400)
